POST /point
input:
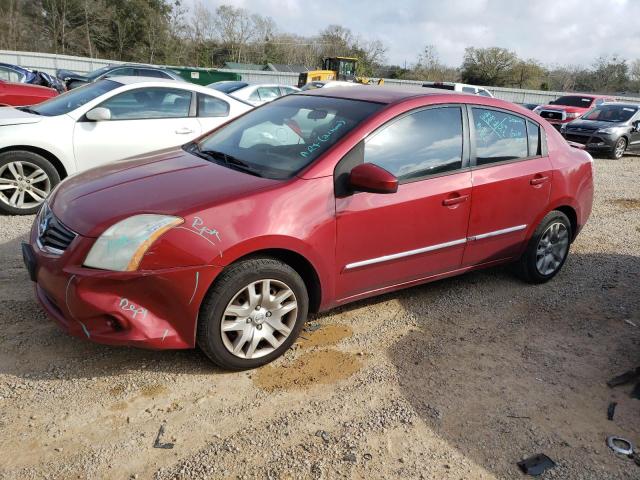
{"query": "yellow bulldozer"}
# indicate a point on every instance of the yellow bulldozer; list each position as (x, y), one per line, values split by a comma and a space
(335, 68)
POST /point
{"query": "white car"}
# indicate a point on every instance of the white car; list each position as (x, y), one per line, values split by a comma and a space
(260, 94)
(98, 123)
(459, 87)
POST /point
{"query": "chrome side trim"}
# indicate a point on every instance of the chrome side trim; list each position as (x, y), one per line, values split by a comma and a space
(497, 232)
(409, 253)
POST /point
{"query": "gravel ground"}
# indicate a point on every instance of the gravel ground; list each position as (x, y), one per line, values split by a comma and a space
(458, 379)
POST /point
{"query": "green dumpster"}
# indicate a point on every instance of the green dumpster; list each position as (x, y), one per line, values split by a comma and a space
(204, 76)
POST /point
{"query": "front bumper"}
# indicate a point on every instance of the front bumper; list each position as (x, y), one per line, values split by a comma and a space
(155, 309)
(593, 141)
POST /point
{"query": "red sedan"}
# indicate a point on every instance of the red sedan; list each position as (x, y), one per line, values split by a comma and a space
(313, 201)
(21, 94)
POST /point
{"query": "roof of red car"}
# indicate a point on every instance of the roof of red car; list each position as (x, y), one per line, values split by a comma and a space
(371, 93)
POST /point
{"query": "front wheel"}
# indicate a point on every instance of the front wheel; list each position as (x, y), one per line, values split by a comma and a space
(26, 179)
(252, 314)
(619, 149)
(547, 250)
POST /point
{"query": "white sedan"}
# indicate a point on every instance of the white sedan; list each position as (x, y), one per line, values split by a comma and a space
(260, 94)
(99, 123)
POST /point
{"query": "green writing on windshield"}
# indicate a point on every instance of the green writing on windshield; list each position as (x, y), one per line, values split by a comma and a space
(322, 139)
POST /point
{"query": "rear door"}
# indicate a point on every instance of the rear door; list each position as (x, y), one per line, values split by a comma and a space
(511, 174)
(142, 120)
(212, 112)
(420, 230)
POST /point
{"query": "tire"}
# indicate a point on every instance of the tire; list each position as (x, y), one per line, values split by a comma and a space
(619, 149)
(26, 179)
(229, 302)
(542, 260)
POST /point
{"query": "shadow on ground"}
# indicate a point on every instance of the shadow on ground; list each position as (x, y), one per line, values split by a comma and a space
(503, 369)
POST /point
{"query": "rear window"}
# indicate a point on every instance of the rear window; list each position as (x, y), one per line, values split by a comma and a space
(573, 101)
(610, 113)
(282, 137)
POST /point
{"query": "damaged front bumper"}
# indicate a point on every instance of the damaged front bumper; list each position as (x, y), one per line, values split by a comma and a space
(155, 309)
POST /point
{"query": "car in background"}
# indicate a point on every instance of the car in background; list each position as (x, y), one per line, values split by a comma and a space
(569, 107)
(20, 94)
(96, 124)
(529, 106)
(261, 94)
(228, 242)
(228, 86)
(16, 74)
(610, 128)
(74, 80)
(330, 84)
(459, 87)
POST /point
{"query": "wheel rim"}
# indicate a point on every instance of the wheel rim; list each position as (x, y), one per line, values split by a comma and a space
(259, 318)
(620, 147)
(23, 185)
(552, 248)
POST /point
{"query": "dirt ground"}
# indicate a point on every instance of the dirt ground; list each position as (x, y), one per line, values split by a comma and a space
(459, 379)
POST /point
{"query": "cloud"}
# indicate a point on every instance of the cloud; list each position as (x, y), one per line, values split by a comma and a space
(551, 31)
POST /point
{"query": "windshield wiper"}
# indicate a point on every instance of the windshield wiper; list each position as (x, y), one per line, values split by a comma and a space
(229, 160)
(29, 110)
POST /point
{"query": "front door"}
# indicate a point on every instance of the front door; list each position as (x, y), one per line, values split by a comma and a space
(419, 231)
(142, 120)
(511, 175)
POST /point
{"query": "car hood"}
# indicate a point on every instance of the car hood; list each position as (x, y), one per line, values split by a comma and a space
(565, 108)
(593, 124)
(171, 182)
(13, 116)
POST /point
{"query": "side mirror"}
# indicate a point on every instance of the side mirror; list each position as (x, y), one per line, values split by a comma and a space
(99, 114)
(368, 177)
(636, 125)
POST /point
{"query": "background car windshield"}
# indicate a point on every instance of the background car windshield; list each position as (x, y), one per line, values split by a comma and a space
(74, 98)
(283, 137)
(573, 101)
(610, 113)
(228, 87)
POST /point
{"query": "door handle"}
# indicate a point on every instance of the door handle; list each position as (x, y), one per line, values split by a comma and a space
(447, 202)
(184, 131)
(538, 180)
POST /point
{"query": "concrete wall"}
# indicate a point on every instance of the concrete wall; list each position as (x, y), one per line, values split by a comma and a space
(50, 62)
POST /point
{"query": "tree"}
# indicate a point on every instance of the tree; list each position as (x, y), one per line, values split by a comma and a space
(488, 66)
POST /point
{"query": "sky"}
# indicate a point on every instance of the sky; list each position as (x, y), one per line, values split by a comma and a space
(565, 32)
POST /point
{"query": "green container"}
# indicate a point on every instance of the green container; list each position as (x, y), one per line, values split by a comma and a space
(204, 76)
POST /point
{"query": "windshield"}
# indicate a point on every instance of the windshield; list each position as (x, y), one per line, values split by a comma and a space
(74, 98)
(573, 101)
(228, 87)
(610, 113)
(96, 73)
(281, 138)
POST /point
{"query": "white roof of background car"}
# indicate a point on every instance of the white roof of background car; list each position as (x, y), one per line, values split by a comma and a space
(163, 82)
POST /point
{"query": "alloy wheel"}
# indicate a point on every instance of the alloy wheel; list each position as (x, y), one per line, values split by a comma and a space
(23, 184)
(552, 248)
(621, 146)
(259, 318)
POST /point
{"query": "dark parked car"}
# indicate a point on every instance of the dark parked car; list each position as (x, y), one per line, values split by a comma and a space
(529, 106)
(610, 128)
(16, 74)
(73, 79)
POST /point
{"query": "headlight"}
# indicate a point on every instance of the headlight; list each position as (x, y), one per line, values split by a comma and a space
(122, 246)
(607, 130)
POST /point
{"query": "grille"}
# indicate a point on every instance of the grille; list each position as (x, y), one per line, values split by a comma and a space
(551, 115)
(53, 235)
(577, 138)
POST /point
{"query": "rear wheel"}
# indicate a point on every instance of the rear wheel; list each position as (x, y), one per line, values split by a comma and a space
(252, 314)
(547, 250)
(26, 179)
(619, 149)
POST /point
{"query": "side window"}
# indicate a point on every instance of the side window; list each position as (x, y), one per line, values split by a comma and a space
(120, 72)
(9, 75)
(287, 90)
(147, 103)
(422, 143)
(268, 93)
(533, 131)
(212, 106)
(484, 93)
(147, 72)
(469, 90)
(499, 136)
(254, 97)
